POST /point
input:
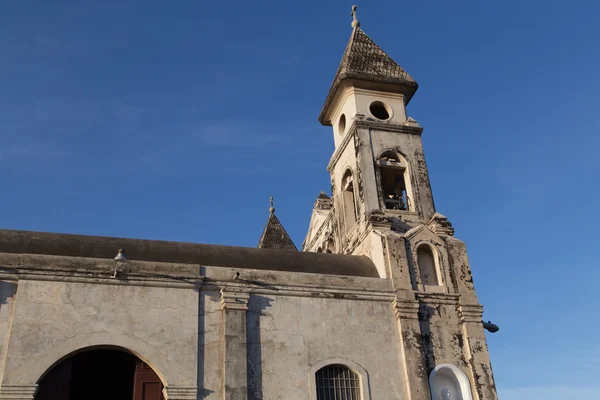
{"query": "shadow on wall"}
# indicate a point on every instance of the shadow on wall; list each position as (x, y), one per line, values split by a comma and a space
(7, 291)
(425, 314)
(256, 306)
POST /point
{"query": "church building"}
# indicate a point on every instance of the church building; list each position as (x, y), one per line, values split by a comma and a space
(379, 304)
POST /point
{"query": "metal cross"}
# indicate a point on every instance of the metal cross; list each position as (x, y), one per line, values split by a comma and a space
(271, 201)
(353, 13)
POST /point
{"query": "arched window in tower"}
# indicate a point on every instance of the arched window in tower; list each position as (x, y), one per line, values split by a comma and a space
(394, 182)
(348, 202)
(337, 382)
(427, 265)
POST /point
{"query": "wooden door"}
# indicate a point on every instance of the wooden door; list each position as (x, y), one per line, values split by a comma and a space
(146, 384)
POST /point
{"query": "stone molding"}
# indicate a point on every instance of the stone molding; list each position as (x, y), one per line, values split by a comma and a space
(234, 300)
(255, 286)
(18, 392)
(378, 219)
(105, 280)
(440, 225)
(438, 298)
(406, 309)
(360, 122)
(43, 267)
(470, 313)
(180, 392)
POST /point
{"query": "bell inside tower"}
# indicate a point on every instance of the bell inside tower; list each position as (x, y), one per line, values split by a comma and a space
(393, 172)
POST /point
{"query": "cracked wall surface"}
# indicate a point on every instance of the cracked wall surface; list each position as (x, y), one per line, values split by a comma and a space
(53, 319)
(281, 323)
(298, 332)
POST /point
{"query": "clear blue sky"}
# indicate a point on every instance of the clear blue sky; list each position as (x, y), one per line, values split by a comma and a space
(177, 120)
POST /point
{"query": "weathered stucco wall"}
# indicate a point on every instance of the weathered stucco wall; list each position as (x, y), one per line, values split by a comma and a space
(53, 319)
(288, 335)
(230, 331)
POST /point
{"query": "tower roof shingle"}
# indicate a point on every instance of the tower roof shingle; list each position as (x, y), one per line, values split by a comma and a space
(364, 60)
(274, 236)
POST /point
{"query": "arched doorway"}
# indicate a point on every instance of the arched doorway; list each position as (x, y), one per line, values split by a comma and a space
(100, 374)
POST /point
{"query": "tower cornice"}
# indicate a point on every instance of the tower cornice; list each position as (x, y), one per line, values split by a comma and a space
(361, 122)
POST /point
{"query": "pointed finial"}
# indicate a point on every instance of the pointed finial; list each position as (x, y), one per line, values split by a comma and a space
(272, 209)
(355, 21)
(120, 255)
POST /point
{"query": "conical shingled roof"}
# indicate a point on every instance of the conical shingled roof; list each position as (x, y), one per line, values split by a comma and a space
(274, 236)
(364, 57)
(364, 60)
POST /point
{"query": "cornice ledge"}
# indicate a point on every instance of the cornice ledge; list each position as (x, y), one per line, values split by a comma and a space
(377, 219)
(470, 313)
(439, 298)
(99, 277)
(304, 291)
(406, 309)
(407, 127)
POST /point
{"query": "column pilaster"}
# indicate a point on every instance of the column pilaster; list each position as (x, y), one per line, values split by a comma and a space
(235, 381)
(477, 353)
(413, 367)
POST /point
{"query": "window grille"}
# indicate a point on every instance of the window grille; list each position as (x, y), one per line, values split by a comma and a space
(337, 382)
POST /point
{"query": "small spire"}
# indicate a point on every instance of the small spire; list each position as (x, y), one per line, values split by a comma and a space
(355, 21)
(274, 235)
(272, 209)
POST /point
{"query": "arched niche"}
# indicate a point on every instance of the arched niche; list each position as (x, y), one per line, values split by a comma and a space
(428, 265)
(448, 382)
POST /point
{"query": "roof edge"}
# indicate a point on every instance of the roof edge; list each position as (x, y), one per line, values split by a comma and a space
(69, 245)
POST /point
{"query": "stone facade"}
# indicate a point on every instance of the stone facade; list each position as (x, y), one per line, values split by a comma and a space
(394, 303)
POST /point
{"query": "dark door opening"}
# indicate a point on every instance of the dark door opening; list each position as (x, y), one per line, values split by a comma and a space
(101, 375)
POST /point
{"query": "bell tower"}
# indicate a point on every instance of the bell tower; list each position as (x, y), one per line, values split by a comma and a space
(378, 167)
(382, 207)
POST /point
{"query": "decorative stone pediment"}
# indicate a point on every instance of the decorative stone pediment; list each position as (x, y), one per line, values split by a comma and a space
(440, 225)
(423, 233)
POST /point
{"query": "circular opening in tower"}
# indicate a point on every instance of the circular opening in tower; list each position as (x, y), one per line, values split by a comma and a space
(380, 110)
(342, 124)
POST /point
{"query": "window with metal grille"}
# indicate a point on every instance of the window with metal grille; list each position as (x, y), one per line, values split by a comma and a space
(337, 382)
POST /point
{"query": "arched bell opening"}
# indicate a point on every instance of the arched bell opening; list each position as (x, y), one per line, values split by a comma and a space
(100, 373)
